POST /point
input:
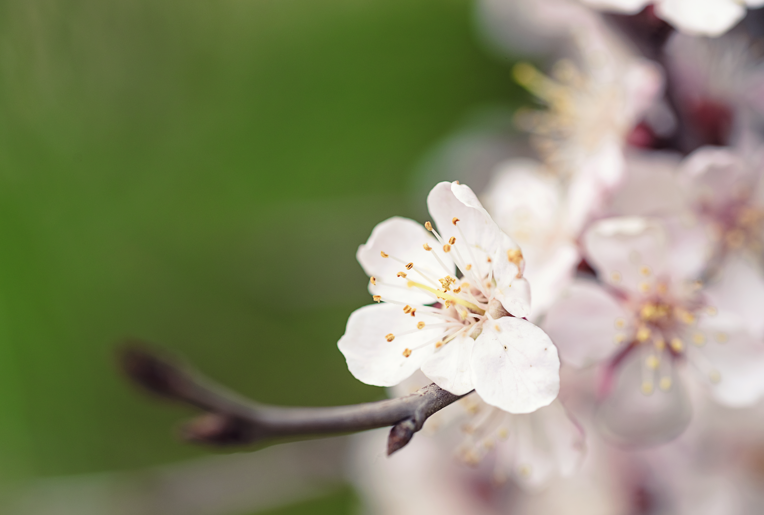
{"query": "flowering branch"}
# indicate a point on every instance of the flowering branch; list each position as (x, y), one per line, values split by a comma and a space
(232, 420)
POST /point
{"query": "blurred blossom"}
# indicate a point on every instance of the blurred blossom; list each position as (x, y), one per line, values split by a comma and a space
(466, 333)
(650, 310)
(695, 17)
(720, 86)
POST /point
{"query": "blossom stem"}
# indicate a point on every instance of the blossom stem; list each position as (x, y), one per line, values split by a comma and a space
(232, 420)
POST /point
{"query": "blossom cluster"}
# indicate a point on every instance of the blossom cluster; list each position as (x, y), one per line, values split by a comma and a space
(600, 303)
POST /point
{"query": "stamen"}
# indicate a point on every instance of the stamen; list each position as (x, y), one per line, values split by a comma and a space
(407, 353)
(390, 337)
(515, 256)
(377, 298)
(407, 309)
(615, 277)
(676, 344)
(698, 339)
(468, 267)
(643, 334)
(715, 376)
(645, 270)
(409, 266)
(446, 248)
(454, 220)
(452, 240)
(439, 344)
(428, 226)
(427, 247)
(373, 280)
(381, 253)
(447, 296)
(413, 312)
(665, 384)
(402, 274)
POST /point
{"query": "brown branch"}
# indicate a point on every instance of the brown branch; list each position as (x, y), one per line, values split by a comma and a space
(233, 420)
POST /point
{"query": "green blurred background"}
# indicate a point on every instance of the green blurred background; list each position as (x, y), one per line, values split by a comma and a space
(199, 174)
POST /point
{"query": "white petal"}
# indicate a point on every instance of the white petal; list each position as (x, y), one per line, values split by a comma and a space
(552, 446)
(624, 6)
(701, 17)
(584, 324)
(714, 177)
(515, 366)
(450, 367)
(629, 417)
(515, 297)
(403, 239)
(739, 361)
(550, 276)
(618, 248)
(371, 358)
(739, 289)
(447, 201)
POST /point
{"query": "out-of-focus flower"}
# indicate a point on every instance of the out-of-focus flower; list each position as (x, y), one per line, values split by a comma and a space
(719, 86)
(529, 204)
(694, 17)
(464, 333)
(649, 319)
(592, 108)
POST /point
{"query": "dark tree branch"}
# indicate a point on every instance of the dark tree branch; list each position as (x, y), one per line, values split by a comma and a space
(234, 420)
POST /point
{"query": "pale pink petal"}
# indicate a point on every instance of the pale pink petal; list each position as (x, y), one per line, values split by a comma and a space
(714, 177)
(403, 241)
(628, 416)
(624, 6)
(450, 367)
(550, 276)
(739, 289)
(701, 17)
(515, 366)
(551, 445)
(621, 250)
(374, 360)
(584, 324)
(731, 361)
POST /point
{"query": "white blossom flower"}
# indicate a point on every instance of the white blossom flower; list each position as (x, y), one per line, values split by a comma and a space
(649, 319)
(465, 331)
(694, 17)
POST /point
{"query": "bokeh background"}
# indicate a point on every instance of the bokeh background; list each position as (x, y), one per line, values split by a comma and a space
(199, 173)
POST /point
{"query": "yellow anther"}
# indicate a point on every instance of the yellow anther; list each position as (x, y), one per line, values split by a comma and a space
(390, 337)
(685, 316)
(698, 339)
(413, 312)
(454, 219)
(402, 274)
(514, 256)
(428, 226)
(665, 384)
(676, 344)
(446, 248)
(615, 277)
(406, 353)
(647, 388)
(409, 266)
(465, 284)
(721, 337)
(619, 338)
(661, 288)
(438, 345)
(645, 270)
(407, 309)
(620, 323)
(711, 311)
(449, 304)
(468, 267)
(381, 253)
(373, 280)
(643, 334)
(644, 287)
(659, 344)
(503, 433)
(652, 362)
(457, 289)
(426, 247)
(525, 74)
(488, 259)
(420, 325)
(452, 240)
(715, 376)
(377, 298)
(497, 328)
(648, 311)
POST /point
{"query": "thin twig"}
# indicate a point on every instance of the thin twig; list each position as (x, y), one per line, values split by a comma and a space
(234, 420)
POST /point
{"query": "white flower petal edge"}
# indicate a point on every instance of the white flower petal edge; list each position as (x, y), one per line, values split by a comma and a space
(515, 366)
(376, 359)
(450, 367)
